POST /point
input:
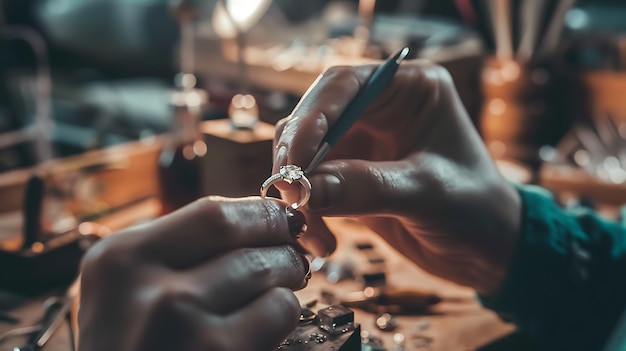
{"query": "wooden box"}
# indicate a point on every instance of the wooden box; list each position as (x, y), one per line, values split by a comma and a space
(237, 161)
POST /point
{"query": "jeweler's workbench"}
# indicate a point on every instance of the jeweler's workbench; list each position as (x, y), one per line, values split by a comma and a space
(460, 324)
(457, 323)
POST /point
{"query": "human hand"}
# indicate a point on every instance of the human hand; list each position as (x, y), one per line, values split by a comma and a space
(216, 275)
(412, 168)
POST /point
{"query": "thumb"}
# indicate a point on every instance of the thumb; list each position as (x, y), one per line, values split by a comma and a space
(359, 187)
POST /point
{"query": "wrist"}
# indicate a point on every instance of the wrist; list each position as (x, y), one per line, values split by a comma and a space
(503, 240)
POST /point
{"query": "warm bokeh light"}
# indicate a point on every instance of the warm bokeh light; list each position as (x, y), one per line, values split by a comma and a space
(245, 13)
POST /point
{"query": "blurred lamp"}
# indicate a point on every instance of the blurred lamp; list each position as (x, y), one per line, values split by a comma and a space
(232, 19)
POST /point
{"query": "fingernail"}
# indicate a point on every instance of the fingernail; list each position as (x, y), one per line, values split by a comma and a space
(296, 222)
(307, 267)
(327, 192)
(281, 156)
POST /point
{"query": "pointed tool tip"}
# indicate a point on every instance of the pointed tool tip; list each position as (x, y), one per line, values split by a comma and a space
(402, 55)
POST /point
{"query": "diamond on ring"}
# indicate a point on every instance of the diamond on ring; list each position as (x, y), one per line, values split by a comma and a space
(289, 174)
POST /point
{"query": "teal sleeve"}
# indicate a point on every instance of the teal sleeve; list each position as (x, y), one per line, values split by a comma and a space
(566, 286)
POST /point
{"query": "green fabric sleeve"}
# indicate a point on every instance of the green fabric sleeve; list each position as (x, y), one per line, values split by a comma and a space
(566, 286)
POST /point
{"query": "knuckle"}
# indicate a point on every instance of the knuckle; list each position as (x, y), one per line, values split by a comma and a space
(442, 76)
(442, 73)
(433, 81)
(253, 265)
(339, 72)
(108, 259)
(166, 300)
(430, 74)
(280, 125)
(210, 209)
(340, 78)
(206, 205)
(438, 78)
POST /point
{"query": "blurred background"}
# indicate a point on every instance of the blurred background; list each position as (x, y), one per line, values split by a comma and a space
(115, 111)
(106, 60)
(97, 72)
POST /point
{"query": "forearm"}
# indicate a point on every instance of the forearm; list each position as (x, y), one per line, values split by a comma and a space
(566, 286)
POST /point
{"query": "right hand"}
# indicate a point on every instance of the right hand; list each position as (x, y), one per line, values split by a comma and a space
(412, 168)
(215, 275)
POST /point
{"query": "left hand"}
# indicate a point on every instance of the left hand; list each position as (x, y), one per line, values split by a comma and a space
(216, 275)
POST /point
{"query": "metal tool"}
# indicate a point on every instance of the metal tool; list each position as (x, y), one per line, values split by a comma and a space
(375, 85)
(555, 27)
(56, 312)
(19, 332)
(531, 17)
(57, 309)
(501, 16)
(33, 203)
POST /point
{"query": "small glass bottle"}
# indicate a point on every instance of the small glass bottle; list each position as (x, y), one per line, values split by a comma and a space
(180, 178)
(243, 112)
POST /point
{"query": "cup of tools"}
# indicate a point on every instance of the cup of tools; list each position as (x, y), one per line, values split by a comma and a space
(527, 105)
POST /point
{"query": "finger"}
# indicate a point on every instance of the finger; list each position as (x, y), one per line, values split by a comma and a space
(280, 126)
(318, 239)
(358, 187)
(298, 136)
(259, 326)
(266, 322)
(232, 281)
(301, 134)
(211, 226)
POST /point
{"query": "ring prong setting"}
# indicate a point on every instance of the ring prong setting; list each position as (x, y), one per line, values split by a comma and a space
(289, 174)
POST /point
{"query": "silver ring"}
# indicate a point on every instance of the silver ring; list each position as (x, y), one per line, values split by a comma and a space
(289, 174)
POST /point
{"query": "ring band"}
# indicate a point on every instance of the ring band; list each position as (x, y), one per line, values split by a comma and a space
(289, 174)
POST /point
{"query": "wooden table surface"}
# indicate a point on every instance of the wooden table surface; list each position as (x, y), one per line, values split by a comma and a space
(463, 325)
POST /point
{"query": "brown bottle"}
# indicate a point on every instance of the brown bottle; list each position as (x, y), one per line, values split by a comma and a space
(180, 178)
